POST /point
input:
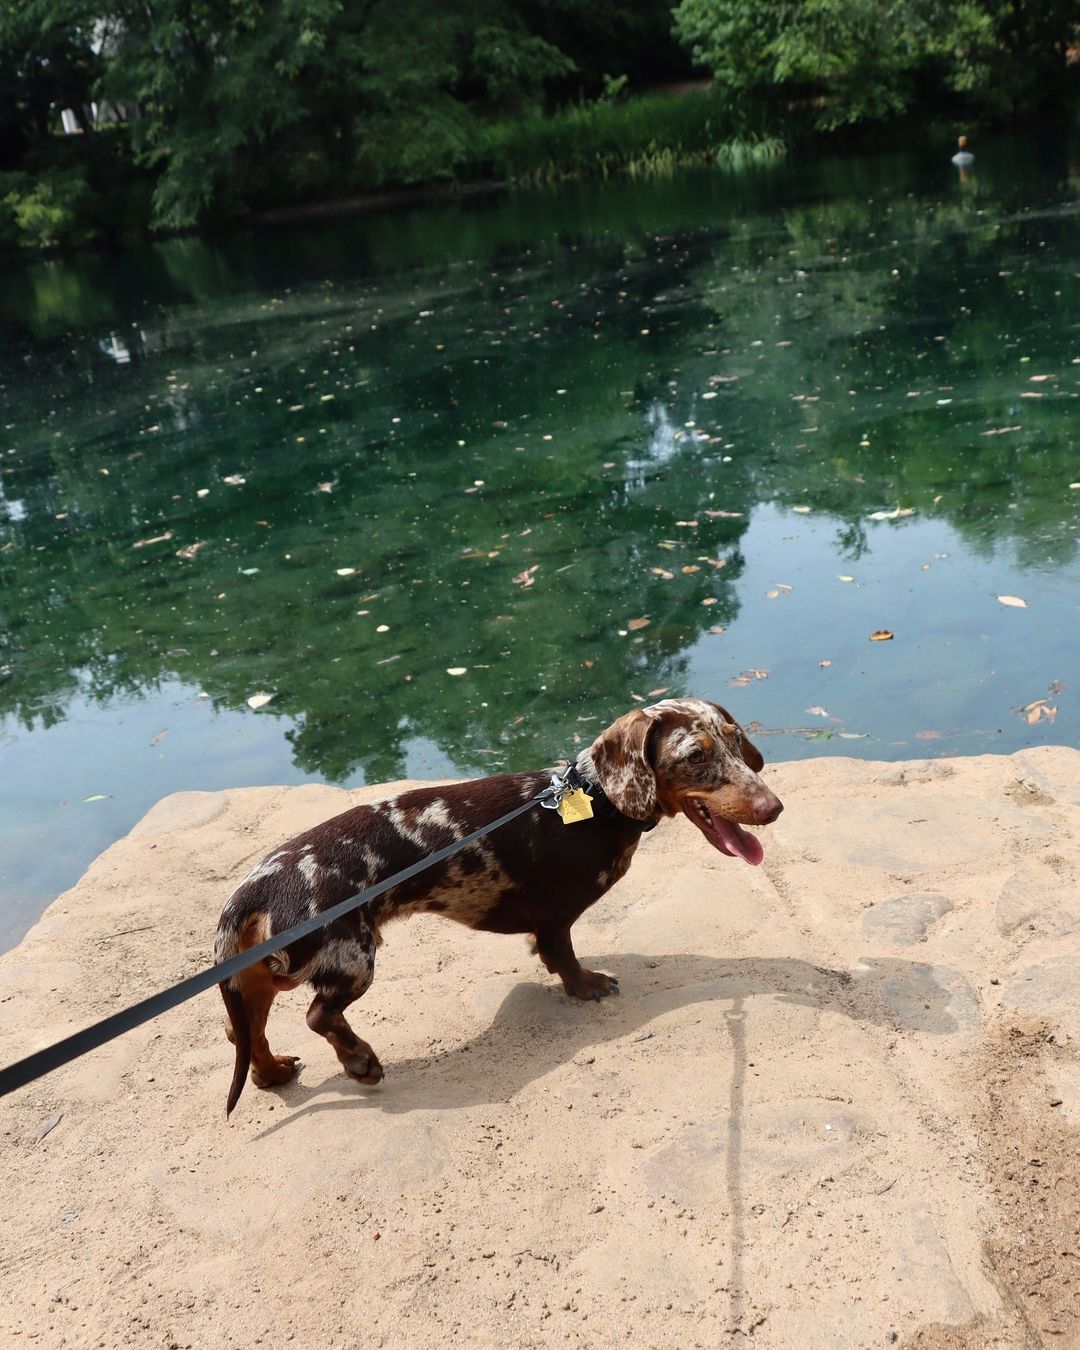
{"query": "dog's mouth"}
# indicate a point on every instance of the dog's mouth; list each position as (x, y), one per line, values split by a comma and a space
(724, 834)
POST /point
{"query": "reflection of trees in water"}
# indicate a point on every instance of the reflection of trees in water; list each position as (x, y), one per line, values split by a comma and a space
(475, 353)
(88, 606)
(910, 331)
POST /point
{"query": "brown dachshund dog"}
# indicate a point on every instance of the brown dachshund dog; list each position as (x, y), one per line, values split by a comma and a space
(536, 875)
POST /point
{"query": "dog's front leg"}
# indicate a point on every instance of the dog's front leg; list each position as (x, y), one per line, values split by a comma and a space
(554, 948)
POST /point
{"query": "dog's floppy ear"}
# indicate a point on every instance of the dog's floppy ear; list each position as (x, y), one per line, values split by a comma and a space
(752, 756)
(620, 756)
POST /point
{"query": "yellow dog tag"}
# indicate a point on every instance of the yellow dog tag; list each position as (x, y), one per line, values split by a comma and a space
(575, 806)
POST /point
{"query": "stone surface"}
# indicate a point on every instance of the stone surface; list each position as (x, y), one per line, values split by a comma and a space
(782, 1132)
(1040, 897)
(906, 919)
(1050, 989)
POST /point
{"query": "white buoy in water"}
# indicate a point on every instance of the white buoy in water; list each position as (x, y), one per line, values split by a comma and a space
(963, 156)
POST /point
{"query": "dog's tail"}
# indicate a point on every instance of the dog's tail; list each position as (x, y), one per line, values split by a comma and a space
(237, 1010)
(228, 942)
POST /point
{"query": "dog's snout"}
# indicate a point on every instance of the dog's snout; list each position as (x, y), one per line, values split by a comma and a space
(766, 808)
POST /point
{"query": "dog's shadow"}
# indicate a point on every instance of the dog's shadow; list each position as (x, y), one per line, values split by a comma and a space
(537, 1027)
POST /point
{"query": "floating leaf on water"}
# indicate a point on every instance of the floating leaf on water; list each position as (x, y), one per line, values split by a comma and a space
(771, 595)
(689, 524)
(634, 624)
(1037, 710)
(709, 600)
(841, 577)
(724, 515)
(714, 562)
(818, 711)
(690, 569)
(655, 693)
(1013, 600)
(345, 571)
(717, 628)
(248, 571)
(802, 510)
(456, 670)
(157, 539)
(324, 487)
(881, 635)
(527, 577)
(928, 735)
(662, 572)
(203, 492)
(383, 628)
(190, 550)
(754, 673)
(853, 735)
(259, 700)
(235, 479)
(97, 797)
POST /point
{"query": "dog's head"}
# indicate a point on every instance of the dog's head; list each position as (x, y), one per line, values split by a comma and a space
(688, 755)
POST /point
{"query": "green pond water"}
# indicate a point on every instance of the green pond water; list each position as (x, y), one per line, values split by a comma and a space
(457, 486)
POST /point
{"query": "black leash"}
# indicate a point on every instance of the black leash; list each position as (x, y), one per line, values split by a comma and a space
(63, 1052)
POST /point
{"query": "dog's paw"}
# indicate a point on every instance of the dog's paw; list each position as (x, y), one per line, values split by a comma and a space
(279, 1070)
(364, 1066)
(591, 984)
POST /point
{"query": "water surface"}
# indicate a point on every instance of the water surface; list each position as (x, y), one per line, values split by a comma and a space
(701, 435)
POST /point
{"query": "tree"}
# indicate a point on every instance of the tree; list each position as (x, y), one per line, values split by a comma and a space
(220, 88)
(861, 60)
(49, 61)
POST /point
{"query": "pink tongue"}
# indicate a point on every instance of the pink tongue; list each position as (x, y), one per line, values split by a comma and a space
(736, 841)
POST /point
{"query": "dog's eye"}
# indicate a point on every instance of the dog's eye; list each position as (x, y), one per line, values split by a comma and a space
(695, 756)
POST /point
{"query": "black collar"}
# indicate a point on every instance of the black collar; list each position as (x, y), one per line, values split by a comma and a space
(601, 803)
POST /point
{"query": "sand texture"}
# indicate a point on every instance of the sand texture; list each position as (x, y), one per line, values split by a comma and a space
(836, 1104)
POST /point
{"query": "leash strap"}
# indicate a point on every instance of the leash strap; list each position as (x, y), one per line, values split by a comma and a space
(82, 1042)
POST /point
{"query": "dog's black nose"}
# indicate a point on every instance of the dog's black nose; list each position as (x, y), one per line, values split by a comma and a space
(767, 808)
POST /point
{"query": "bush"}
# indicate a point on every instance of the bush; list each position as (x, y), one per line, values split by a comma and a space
(45, 211)
(648, 135)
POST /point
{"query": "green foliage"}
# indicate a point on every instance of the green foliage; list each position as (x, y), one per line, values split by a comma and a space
(44, 211)
(853, 61)
(235, 105)
(644, 135)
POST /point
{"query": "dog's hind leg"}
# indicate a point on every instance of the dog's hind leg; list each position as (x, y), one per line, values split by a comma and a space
(257, 988)
(336, 987)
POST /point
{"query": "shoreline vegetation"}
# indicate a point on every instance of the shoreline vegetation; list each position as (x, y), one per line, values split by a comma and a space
(64, 207)
(121, 121)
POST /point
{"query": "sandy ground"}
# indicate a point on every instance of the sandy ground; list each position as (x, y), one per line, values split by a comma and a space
(837, 1104)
